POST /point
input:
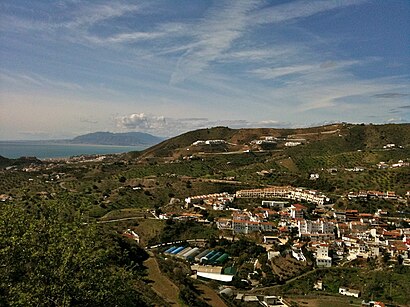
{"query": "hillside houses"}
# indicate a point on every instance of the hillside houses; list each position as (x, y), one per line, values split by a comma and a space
(296, 211)
(335, 238)
(246, 227)
(209, 142)
(217, 201)
(287, 192)
(267, 193)
(319, 230)
(246, 222)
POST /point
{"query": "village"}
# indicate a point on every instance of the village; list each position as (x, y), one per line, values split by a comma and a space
(299, 229)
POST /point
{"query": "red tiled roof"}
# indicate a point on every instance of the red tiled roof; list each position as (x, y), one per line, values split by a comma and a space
(299, 207)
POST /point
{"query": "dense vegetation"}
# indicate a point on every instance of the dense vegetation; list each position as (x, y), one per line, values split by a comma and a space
(49, 257)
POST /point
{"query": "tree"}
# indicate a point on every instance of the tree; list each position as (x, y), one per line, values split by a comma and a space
(400, 259)
(49, 258)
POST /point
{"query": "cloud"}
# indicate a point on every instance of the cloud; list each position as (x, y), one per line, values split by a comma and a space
(390, 95)
(226, 24)
(327, 69)
(37, 80)
(272, 73)
(215, 34)
(126, 37)
(298, 9)
(88, 120)
(141, 121)
(90, 14)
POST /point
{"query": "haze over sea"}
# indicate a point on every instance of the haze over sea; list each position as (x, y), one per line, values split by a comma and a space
(43, 150)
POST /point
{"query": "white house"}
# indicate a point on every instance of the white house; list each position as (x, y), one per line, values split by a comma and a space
(349, 292)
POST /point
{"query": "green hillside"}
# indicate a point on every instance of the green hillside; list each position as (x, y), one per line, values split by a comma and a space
(330, 139)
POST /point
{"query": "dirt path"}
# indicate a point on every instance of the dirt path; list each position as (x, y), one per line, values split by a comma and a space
(210, 296)
(161, 284)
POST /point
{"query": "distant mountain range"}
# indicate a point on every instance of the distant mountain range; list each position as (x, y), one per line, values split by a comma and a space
(119, 139)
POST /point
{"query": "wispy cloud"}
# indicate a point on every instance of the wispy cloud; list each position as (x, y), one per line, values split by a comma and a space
(390, 95)
(88, 14)
(298, 9)
(37, 80)
(214, 35)
(327, 69)
(226, 24)
(272, 73)
(259, 55)
(126, 37)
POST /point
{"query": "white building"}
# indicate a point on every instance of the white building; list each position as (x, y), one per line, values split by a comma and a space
(284, 192)
(322, 256)
(315, 227)
(246, 227)
(215, 142)
(296, 211)
(292, 144)
(349, 292)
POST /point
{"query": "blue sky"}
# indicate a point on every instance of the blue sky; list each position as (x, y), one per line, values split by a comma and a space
(69, 67)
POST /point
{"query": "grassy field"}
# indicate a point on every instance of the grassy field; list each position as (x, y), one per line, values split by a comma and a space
(325, 301)
(125, 213)
(148, 229)
(210, 296)
(161, 284)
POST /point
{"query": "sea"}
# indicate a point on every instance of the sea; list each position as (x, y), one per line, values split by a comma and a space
(45, 150)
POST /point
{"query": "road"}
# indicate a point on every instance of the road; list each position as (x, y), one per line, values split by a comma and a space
(126, 219)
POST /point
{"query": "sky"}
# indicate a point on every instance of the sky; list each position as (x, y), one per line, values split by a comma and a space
(69, 67)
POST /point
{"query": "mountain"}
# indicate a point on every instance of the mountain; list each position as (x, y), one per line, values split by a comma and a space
(119, 139)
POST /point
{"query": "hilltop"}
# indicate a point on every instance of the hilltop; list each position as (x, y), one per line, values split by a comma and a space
(120, 139)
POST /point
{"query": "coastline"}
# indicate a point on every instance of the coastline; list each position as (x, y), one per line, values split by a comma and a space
(51, 150)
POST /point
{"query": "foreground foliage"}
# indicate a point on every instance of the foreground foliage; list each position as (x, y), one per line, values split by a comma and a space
(49, 258)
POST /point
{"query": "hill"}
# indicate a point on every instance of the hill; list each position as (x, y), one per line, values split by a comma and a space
(120, 139)
(330, 139)
(290, 156)
(4, 161)
(22, 161)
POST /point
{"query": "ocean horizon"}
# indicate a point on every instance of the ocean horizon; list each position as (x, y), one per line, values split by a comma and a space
(49, 150)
